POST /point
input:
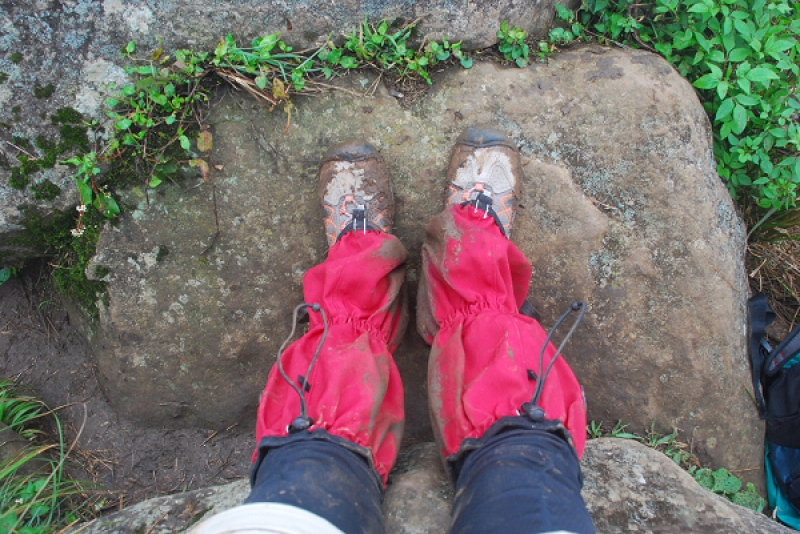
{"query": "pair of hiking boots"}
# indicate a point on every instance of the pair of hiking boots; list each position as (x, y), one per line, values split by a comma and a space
(356, 192)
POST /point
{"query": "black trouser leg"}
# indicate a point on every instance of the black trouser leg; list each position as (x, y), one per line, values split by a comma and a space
(324, 477)
(520, 481)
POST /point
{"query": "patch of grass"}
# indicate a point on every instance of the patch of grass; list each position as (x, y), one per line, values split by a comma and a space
(18, 410)
(36, 496)
(721, 481)
(3, 77)
(774, 268)
(16, 58)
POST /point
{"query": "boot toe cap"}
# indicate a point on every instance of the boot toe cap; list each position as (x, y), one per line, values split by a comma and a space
(354, 150)
(484, 136)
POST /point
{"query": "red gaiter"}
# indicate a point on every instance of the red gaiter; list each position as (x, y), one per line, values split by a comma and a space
(355, 390)
(474, 281)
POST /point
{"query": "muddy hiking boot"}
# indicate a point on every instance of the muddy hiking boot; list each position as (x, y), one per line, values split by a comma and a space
(485, 171)
(355, 190)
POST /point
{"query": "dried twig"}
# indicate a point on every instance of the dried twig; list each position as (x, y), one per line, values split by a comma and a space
(209, 438)
(247, 84)
(149, 530)
(9, 143)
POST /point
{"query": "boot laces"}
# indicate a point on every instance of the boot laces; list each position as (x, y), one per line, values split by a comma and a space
(532, 410)
(302, 421)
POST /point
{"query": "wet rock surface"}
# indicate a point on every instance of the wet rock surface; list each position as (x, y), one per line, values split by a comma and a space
(622, 209)
(627, 488)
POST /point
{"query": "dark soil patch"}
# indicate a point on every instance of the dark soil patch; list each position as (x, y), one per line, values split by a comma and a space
(42, 349)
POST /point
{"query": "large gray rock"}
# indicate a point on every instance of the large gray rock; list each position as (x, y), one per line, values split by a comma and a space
(627, 488)
(622, 209)
(631, 488)
(70, 51)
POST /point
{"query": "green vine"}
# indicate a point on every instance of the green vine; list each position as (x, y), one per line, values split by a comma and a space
(742, 57)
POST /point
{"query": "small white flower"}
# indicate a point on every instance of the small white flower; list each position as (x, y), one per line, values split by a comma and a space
(76, 233)
(81, 208)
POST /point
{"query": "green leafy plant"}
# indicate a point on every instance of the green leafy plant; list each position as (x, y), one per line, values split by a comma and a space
(511, 43)
(267, 57)
(725, 483)
(620, 431)
(742, 57)
(569, 31)
(594, 429)
(389, 51)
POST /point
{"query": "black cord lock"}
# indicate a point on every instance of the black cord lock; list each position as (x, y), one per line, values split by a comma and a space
(533, 412)
(300, 423)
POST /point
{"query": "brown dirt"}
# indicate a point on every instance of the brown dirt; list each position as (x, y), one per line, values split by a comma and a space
(40, 348)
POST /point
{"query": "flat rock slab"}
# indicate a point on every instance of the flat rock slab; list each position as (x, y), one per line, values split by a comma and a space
(627, 488)
(622, 209)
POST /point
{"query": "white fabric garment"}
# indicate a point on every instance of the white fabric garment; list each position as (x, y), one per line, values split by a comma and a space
(265, 518)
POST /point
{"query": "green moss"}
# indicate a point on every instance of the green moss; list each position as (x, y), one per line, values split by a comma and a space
(18, 179)
(3, 77)
(49, 150)
(121, 172)
(73, 131)
(16, 58)
(20, 176)
(45, 91)
(16, 109)
(162, 253)
(52, 235)
(45, 190)
(66, 116)
(73, 137)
